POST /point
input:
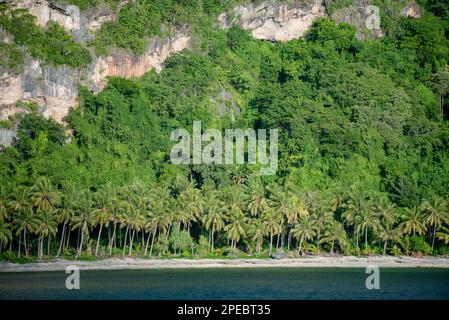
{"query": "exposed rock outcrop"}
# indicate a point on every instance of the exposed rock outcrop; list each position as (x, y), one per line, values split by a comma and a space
(55, 89)
(276, 21)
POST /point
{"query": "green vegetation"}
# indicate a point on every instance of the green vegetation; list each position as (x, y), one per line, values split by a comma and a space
(363, 151)
(12, 58)
(51, 45)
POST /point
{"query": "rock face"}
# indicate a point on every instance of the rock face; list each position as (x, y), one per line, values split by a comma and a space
(276, 21)
(55, 89)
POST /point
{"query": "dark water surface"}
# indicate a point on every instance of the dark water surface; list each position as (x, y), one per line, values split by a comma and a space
(225, 283)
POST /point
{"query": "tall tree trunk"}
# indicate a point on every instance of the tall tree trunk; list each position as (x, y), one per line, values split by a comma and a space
(48, 244)
(131, 243)
(333, 244)
(318, 240)
(20, 241)
(385, 246)
(212, 239)
(271, 242)
(25, 241)
(433, 235)
(62, 240)
(80, 248)
(147, 244)
(152, 240)
(300, 244)
(124, 244)
(98, 239)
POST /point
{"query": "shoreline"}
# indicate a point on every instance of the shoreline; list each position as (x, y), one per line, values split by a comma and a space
(303, 262)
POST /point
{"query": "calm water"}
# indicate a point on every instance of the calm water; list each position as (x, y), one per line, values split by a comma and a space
(270, 283)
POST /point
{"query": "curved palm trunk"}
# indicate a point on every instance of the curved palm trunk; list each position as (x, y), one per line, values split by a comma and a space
(212, 240)
(385, 247)
(25, 241)
(300, 244)
(20, 240)
(433, 235)
(48, 244)
(366, 238)
(80, 248)
(124, 244)
(333, 244)
(98, 239)
(112, 241)
(152, 240)
(131, 242)
(62, 240)
(271, 242)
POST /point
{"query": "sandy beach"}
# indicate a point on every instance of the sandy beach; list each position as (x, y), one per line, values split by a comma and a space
(311, 261)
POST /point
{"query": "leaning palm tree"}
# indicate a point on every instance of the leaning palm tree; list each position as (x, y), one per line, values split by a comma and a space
(304, 230)
(413, 221)
(335, 233)
(435, 213)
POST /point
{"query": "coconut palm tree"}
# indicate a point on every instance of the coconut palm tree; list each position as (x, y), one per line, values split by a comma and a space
(369, 220)
(5, 233)
(236, 228)
(258, 202)
(413, 221)
(388, 233)
(83, 221)
(335, 233)
(24, 222)
(272, 219)
(65, 215)
(435, 214)
(102, 214)
(258, 229)
(46, 227)
(44, 196)
(357, 203)
(213, 218)
(322, 219)
(386, 211)
(4, 202)
(304, 230)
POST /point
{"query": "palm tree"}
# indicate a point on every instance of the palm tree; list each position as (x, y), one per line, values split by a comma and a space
(65, 215)
(46, 227)
(103, 211)
(3, 203)
(335, 233)
(322, 219)
(258, 203)
(258, 230)
(413, 221)
(213, 218)
(5, 233)
(236, 226)
(44, 196)
(435, 214)
(368, 220)
(304, 230)
(354, 208)
(386, 211)
(272, 221)
(82, 221)
(25, 222)
(388, 233)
